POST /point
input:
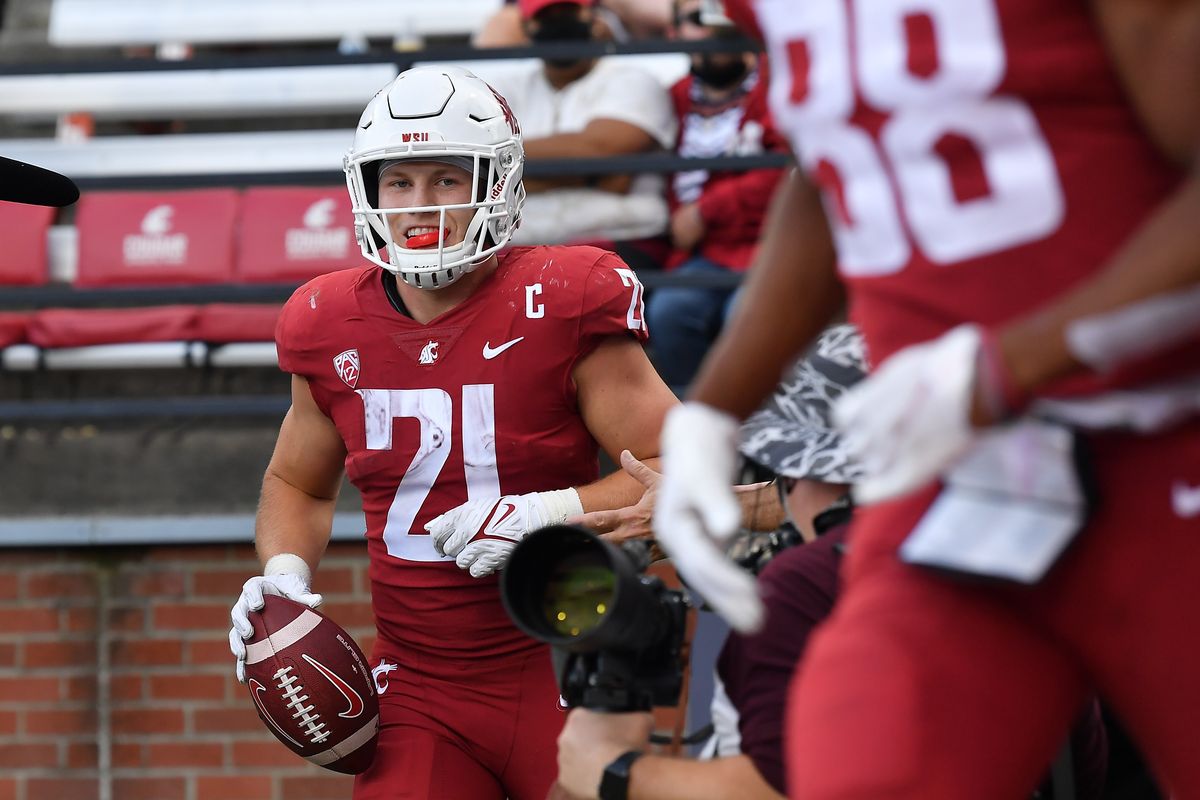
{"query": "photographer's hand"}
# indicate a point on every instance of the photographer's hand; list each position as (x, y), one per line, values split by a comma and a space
(631, 522)
(591, 740)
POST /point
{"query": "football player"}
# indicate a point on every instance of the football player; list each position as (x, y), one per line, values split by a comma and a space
(465, 389)
(1006, 192)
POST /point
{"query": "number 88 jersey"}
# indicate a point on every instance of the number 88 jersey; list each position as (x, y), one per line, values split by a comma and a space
(976, 157)
(477, 403)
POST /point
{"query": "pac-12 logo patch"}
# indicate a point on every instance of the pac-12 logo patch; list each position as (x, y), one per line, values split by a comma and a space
(346, 365)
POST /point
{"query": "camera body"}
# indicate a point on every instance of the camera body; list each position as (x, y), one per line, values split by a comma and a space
(618, 633)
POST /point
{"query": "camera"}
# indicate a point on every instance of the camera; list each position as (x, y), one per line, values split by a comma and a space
(618, 633)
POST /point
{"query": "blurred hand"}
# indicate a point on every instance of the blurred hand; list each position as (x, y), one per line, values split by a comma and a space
(591, 740)
(687, 227)
(698, 512)
(911, 419)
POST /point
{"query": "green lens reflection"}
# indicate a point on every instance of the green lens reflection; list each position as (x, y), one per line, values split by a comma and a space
(578, 594)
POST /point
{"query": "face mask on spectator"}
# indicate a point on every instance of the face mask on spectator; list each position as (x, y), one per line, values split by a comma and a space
(718, 70)
(561, 26)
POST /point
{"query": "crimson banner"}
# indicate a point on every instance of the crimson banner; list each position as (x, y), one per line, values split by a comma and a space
(156, 238)
(293, 234)
(23, 232)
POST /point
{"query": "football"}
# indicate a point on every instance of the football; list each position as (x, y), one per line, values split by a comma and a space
(311, 685)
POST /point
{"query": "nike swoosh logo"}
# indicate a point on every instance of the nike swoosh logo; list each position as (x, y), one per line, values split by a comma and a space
(508, 512)
(490, 352)
(1185, 500)
(256, 689)
(355, 701)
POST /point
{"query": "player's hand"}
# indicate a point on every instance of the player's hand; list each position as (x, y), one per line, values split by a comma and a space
(632, 522)
(591, 740)
(697, 511)
(481, 534)
(911, 419)
(288, 584)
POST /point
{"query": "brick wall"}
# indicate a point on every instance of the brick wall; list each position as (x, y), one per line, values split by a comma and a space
(116, 679)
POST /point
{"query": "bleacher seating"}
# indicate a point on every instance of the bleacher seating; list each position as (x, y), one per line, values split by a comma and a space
(229, 92)
(88, 23)
(228, 210)
(243, 153)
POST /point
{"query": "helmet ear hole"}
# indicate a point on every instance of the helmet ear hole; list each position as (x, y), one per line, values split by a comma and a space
(370, 178)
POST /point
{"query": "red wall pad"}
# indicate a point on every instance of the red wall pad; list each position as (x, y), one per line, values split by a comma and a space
(23, 232)
(77, 327)
(293, 234)
(14, 330)
(156, 238)
(220, 323)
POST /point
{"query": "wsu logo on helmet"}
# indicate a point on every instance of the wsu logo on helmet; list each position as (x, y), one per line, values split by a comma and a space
(509, 116)
(346, 365)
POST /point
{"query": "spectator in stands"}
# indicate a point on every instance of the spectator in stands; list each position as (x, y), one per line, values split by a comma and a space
(716, 217)
(620, 20)
(793, 437)
(403, 376)
(579, 108)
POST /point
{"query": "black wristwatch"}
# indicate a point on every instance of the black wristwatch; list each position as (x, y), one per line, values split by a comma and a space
(615, 783)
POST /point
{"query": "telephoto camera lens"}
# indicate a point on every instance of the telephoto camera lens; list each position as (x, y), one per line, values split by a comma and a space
(571, 589)
(578, 594)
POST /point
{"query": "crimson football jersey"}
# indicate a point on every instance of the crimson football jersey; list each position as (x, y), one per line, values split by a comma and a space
(477, 403)
(976, 158)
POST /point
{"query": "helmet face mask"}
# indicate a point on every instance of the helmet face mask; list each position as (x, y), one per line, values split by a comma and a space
(437, 114)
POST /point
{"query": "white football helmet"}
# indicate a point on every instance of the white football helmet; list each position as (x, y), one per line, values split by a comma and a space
(430, 114)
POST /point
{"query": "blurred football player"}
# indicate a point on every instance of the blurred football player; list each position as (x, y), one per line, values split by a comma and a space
(1006, 192)
(465, 390)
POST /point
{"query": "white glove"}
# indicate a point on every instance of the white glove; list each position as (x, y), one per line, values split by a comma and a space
(286, 575)
(697, 511)
(910, 420)
(481, 534)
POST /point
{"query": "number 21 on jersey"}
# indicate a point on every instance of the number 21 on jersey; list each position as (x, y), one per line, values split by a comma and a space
(434, 411)
(932, 68)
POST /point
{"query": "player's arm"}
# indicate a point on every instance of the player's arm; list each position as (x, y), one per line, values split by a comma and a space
(295, 514)
(300, 487)
(1155, 48)
(789, 296)
(623, 402)
(792, 293)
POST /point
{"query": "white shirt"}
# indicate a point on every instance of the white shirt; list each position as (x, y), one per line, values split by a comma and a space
(610, 90)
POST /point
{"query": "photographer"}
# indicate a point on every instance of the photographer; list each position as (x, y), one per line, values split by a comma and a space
(792, 437)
